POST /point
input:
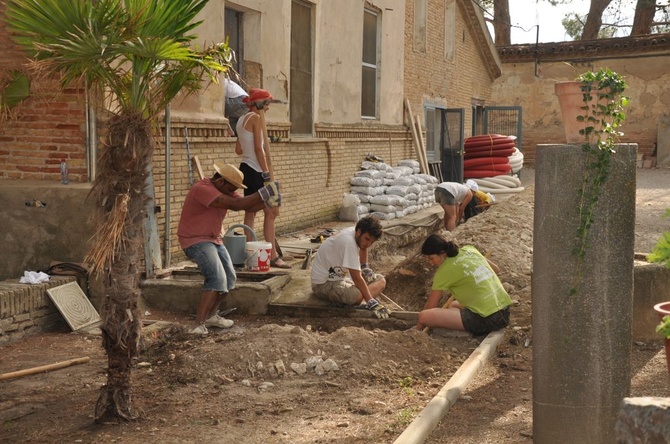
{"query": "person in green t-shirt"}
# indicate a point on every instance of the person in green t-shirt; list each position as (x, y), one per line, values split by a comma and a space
(481, 304)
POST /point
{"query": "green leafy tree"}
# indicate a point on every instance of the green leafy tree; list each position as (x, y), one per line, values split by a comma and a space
(135, 56)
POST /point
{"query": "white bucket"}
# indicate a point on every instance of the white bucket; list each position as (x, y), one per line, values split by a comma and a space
(258, 256)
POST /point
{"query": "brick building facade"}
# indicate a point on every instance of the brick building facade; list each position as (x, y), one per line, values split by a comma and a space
(441, 56)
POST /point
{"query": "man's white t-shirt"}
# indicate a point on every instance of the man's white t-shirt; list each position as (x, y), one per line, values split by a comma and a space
(337, 254)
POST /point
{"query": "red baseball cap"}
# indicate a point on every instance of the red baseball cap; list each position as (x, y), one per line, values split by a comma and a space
(256, 95)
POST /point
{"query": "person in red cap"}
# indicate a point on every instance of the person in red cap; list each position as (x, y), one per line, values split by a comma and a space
(255, 165)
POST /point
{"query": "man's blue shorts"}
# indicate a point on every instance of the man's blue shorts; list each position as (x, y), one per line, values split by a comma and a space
(215, 264)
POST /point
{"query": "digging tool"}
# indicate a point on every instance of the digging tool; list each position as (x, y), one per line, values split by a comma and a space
(44, 368)
(188, 158)
(387, 299)
(308, 259)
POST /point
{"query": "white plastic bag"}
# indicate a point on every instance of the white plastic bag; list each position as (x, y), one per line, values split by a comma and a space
(349, 210)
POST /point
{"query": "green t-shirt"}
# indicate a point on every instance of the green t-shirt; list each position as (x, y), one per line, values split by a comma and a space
(472, 282)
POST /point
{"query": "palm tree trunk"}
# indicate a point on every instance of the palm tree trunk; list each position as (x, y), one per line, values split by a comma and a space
(117, 254)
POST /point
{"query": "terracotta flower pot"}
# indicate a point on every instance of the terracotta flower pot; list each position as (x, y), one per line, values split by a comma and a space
(571, 100)
(663, 309)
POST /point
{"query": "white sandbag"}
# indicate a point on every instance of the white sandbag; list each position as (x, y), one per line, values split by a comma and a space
(383, 208)
(405, 180)
(363, 198)
(370, 191)
(404, 170)
(383, 216)
(362, 181)
(372, 174)
(402, 202)
(409, 162)
(349, 210)
(384, 199)
(398, 190)
(413, 189)
(363, 209)
(428, 178)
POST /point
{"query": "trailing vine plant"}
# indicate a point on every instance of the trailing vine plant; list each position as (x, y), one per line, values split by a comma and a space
(602, 115)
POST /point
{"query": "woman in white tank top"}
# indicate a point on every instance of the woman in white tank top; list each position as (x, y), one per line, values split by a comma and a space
(255, 165)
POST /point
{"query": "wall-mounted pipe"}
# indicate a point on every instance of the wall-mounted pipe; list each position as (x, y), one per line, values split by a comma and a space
(168, 150)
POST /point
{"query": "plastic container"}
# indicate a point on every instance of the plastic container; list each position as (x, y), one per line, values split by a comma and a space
(236, 244)
(64, 172)
(258, 256)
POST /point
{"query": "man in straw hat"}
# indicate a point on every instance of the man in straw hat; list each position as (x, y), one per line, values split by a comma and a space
(199, 234)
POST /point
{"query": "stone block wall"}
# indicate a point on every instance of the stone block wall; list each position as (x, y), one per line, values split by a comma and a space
(26, 309)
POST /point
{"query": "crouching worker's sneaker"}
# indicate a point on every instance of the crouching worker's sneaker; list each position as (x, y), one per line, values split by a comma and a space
(218, 321)
(200, 330)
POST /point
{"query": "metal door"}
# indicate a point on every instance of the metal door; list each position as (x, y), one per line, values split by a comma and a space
(505, 120)
(444, 141)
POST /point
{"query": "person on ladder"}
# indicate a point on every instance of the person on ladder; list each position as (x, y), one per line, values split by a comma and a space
(255, 165)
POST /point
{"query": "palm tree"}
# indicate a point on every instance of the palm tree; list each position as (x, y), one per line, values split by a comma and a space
(135, 57)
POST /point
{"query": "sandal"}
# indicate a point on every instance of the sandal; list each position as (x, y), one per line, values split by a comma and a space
(279, 263)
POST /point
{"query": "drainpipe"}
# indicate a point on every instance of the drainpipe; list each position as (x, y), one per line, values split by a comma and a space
(91, 139)
(168, 149)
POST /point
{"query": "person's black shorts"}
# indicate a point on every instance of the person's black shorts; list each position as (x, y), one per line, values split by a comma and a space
(479, 326)
(444, 197)
(253, 180)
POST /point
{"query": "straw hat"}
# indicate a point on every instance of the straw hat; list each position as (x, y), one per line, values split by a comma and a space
(231, 174)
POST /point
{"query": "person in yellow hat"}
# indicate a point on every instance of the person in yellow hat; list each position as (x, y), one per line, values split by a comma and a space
(255, 164)
(199, 233)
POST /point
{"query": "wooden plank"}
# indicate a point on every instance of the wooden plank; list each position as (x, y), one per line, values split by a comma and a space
(195, 164)
(422, 147)
(412, 127)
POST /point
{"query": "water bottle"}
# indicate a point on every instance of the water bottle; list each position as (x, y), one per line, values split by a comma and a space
(63, 172)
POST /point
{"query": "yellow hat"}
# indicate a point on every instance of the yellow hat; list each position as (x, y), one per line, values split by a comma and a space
(231, 174)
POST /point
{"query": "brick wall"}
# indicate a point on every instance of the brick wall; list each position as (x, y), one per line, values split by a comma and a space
(648, 89)
(454, 83)
(44, 129)
(314, 173)
(26, 309)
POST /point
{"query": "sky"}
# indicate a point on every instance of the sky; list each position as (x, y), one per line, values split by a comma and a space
(525, 14)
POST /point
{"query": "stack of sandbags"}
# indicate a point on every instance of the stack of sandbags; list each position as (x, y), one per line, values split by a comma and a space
(488, 155)
(392, 192)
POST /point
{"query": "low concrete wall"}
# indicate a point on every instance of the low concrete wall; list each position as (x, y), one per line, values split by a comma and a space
(182, 295)
(34, 236)
(27, 309)
(651, 286)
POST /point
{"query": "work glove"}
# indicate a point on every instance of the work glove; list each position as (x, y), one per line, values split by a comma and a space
(377, 309)
(266, 177)
(270, 194)
(368, 274)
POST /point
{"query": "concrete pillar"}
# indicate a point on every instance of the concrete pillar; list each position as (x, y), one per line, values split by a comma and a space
(663, 142)
(581, 342)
